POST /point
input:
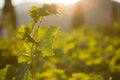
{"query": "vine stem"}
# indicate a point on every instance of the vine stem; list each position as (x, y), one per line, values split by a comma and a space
(36, 26)
(38, 23)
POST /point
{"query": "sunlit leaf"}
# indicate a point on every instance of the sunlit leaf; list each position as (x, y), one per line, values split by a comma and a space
(46, 39)
(46, 10)
(21, 32)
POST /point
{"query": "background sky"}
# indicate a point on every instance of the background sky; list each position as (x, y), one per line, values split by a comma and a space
(17, 2)
(47, 1)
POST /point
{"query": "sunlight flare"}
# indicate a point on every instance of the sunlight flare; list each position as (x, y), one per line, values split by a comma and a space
(66, 2)
(61, 1)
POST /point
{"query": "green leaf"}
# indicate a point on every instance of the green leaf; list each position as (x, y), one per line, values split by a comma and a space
(27, 47)
(28, 38)
(21, 32)
(21, 70)
(46, 39)
(11, 72)
(50, 9)
(46, 46)
(36, 13)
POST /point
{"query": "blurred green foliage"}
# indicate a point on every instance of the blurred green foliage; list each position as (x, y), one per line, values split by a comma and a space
(82, 54)
(86, 51)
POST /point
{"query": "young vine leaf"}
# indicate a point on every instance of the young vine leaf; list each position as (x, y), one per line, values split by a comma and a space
(24, 34)
(39, 40)
(46, 39)
(46, 10)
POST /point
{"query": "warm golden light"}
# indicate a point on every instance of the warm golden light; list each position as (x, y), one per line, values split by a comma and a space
(61, 1)
(66, 2)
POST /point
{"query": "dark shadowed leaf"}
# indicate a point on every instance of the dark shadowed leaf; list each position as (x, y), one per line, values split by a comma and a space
(11, 73)
(21, 70)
